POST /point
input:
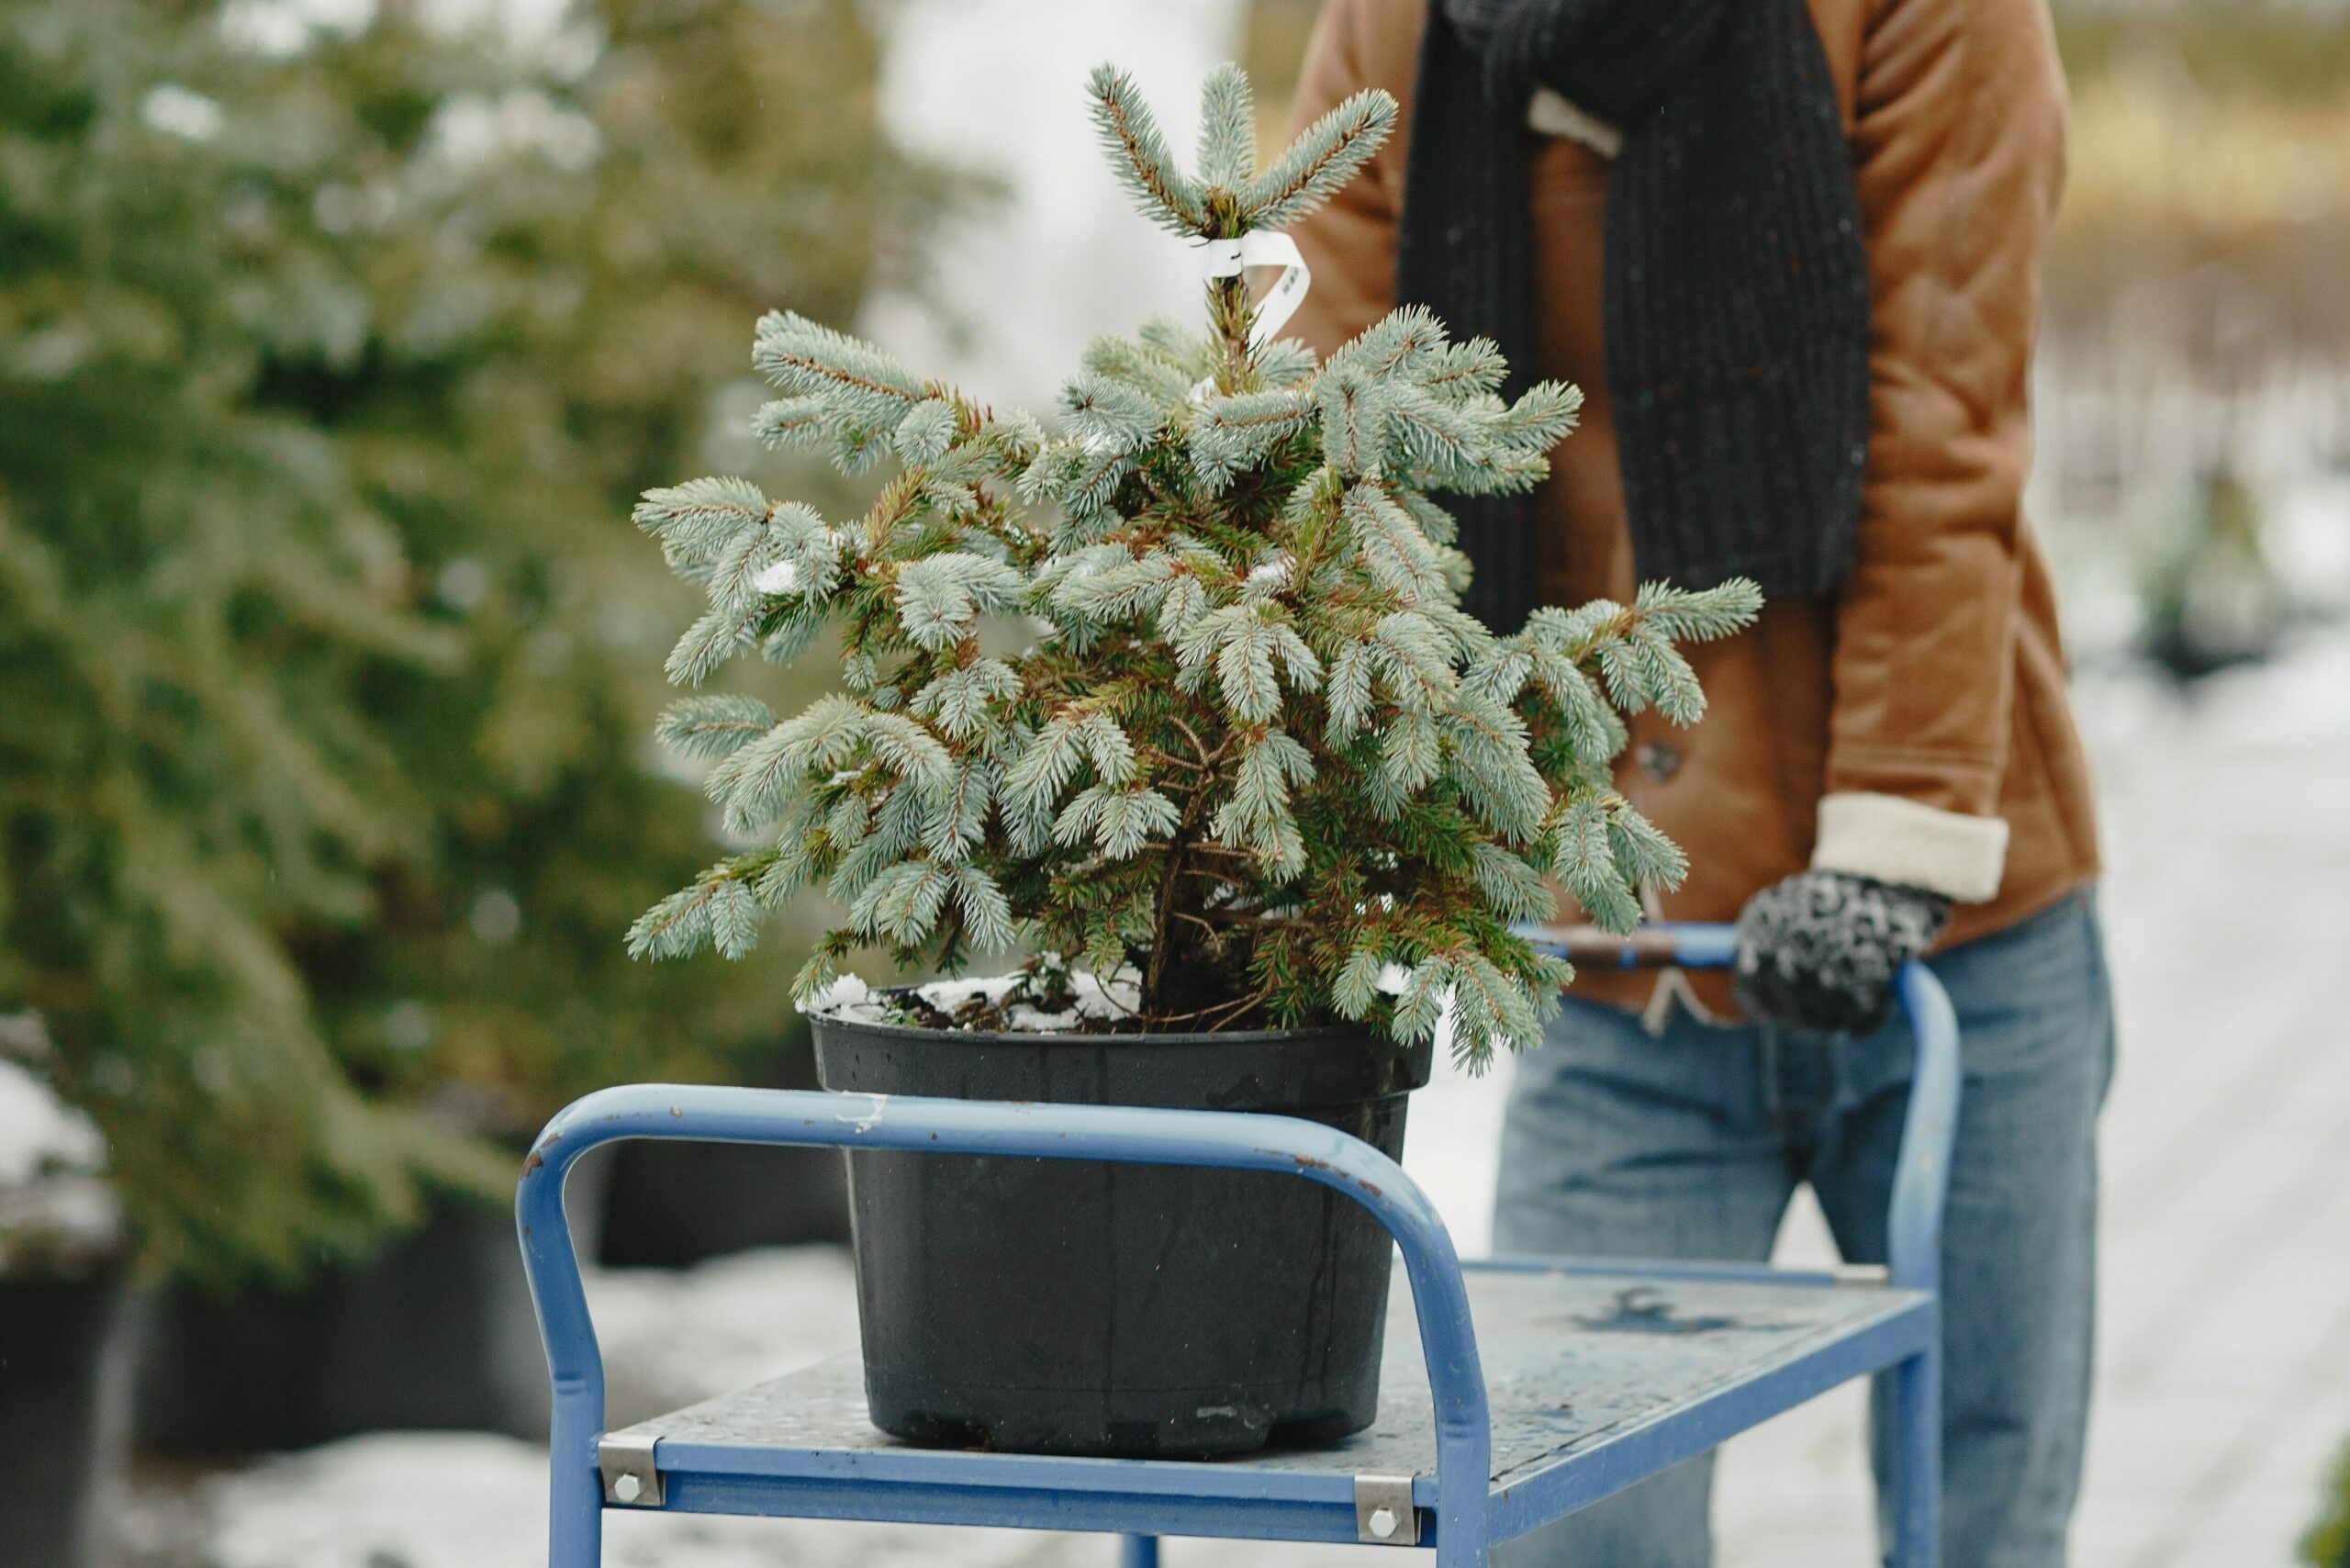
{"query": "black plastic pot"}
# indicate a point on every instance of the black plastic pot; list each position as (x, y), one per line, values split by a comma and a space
(1075, 1306)
(434, 1333)
(675, 1204)
(671, 1205)
(61, 1417)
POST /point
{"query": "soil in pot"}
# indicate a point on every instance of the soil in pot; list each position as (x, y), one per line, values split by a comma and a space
(1075, 1306)
(63, 1389)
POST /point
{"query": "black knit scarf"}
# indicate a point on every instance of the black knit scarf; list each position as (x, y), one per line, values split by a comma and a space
(1736, 290)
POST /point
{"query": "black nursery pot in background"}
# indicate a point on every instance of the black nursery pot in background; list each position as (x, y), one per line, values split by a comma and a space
(675, 1204)
(671, 1205)
(63, 1406)
(433, 1333)
(1076, 1307)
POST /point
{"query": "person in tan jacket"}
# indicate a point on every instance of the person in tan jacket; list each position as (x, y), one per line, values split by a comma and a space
(1789, 252)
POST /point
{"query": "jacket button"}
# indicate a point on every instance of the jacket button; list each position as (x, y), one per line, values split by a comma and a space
(1658, 760)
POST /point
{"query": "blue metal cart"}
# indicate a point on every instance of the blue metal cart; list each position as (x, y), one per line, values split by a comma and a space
(1532, 1387)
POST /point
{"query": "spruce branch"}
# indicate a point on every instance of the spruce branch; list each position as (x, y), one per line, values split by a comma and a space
(711, 727)
(800, 356)
(1329, 153)
(1130, 135)
(1227, 129)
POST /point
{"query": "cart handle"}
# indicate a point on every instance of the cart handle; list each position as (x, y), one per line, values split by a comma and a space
(1921, 1183)
(1227, 1139)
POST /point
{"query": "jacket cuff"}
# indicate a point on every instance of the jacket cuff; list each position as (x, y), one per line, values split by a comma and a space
(1897, 840)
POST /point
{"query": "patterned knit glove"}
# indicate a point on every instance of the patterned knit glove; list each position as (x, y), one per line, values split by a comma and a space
(1820, 950)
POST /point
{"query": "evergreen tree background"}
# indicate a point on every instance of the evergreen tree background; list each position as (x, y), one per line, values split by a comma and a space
(328, 364)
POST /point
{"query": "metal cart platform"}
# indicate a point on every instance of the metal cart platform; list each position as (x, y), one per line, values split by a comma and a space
(1515, 1390)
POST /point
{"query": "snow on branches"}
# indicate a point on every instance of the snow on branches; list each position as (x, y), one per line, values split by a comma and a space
(1253, 751)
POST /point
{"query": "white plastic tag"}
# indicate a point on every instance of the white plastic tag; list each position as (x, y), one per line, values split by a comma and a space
(1262, 248)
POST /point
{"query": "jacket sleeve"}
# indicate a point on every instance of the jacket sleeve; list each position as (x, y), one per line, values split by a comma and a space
(1959, 151)
(1349, 242)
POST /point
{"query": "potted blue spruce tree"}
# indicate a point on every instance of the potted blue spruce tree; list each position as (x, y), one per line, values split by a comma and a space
(1179, 705)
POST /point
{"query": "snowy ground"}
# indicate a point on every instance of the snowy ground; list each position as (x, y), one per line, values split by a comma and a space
(2226, 1360)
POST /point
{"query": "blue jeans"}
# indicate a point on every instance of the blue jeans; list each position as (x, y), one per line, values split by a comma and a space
(1618, 1143)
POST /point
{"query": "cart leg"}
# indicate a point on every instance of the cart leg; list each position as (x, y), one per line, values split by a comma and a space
(575, 1539)
(575, 1493)
(1137, 1552)
(1917, 1462)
